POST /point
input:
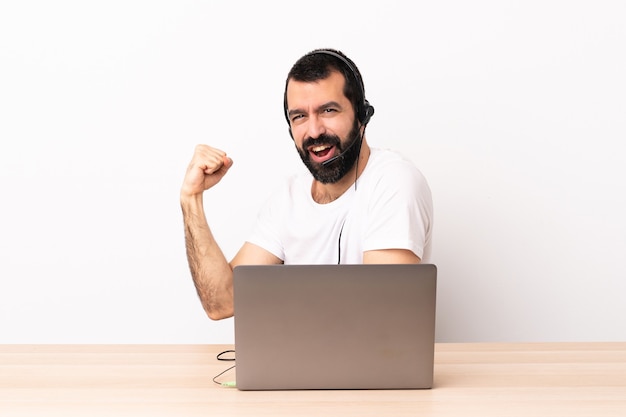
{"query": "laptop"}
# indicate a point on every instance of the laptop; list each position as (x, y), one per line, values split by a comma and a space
(300, 327)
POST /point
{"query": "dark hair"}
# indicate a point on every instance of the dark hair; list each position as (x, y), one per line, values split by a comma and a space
(318, 64)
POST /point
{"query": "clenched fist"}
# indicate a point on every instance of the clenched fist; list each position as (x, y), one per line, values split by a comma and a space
(207, 167)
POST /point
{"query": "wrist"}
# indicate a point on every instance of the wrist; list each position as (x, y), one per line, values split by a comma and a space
(190, 199)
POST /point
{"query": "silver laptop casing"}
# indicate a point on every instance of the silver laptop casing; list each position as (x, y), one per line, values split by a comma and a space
(334, 326)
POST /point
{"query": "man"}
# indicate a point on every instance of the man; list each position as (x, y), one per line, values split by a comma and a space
(362, 204)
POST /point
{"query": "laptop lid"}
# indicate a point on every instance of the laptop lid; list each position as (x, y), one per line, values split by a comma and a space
(334, 326)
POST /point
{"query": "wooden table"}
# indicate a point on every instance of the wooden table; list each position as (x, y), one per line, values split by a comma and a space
(535, 379)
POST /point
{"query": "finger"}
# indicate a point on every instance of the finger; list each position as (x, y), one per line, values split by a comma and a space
(228, 162)
(211, 166)
(208, 159)
(221, 166)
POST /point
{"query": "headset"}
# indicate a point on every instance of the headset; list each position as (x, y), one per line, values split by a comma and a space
(364, 110)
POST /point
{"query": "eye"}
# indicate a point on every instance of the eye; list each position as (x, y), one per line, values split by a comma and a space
(330, 108)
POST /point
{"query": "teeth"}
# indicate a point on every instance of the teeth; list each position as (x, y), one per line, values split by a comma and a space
(319, 148)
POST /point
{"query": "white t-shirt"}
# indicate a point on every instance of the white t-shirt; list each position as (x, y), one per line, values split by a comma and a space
(391, 208)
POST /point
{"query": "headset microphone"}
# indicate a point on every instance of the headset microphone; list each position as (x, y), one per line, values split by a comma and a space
(334, 158)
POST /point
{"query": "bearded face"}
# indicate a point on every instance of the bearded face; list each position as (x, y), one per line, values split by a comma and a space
(321, 146)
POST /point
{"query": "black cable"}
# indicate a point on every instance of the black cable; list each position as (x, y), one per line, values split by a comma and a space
(221, 358)
(339, 243)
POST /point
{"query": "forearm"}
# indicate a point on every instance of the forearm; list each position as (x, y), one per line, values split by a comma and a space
(211, 272)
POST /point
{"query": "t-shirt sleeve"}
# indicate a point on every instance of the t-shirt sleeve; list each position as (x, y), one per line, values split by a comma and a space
(400, 210)
(266, 232)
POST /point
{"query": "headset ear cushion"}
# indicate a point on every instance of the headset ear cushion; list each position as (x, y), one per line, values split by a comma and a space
(368, 113)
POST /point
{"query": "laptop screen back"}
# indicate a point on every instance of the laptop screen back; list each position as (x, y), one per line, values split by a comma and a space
(334, 326)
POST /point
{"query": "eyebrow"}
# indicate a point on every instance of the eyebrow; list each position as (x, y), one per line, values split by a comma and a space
(322, 107)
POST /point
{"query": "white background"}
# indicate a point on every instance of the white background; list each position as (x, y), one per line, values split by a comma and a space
(514, 110)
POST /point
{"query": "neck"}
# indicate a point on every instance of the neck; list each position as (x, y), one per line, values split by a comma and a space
(327, 193)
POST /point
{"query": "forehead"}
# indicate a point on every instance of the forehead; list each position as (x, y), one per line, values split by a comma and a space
(300, 93)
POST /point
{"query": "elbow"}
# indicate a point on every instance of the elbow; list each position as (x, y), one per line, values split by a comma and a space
(216, 305)
(217, 314)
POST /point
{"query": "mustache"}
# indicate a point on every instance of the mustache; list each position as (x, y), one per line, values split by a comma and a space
(323, 139)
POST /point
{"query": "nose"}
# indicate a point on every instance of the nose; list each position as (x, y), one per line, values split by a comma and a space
(315, 127)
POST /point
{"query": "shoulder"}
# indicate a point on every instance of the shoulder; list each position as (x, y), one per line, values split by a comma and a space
(391, 168)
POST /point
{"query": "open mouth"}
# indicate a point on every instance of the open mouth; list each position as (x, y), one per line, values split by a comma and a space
(321, 152)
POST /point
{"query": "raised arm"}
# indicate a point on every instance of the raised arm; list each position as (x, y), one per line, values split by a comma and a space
(212, 274)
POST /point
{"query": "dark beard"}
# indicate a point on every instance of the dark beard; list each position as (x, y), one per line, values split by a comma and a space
(337, 169)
